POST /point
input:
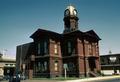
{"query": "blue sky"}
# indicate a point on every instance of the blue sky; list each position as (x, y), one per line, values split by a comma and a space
(20, 18)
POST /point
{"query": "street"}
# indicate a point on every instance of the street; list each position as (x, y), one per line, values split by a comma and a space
(97, 79)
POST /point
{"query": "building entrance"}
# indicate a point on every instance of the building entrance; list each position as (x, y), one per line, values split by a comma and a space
(92, 64)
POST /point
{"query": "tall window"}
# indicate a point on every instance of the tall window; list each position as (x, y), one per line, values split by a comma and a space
(96, 46)
(55, 49)
(45, 65)
(39, 48)
(45, 47)
(69, 47)
(42, 47)
(41, 66)
(56, 66)
(38, 68)
(89, 49)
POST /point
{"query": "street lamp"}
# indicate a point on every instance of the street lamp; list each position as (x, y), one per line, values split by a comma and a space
(113, 60)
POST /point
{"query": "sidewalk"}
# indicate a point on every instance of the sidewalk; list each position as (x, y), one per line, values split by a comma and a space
(77, 80)
(92, 79)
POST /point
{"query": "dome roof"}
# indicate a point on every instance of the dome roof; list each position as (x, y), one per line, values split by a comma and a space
(71, 9)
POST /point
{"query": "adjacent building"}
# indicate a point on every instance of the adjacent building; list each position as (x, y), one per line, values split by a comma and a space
(110, 64)
(51, 52)
(7, 66)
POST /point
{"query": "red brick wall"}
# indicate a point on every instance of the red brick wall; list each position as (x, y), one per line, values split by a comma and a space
(79, 47)
(55, 57)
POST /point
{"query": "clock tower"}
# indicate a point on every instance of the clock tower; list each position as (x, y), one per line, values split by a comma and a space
(70, 19)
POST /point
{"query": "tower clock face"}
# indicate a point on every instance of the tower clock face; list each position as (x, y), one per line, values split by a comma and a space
(67, 12)
(75, 12)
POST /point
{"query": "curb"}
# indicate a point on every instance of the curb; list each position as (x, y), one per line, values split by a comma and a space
(92, 79)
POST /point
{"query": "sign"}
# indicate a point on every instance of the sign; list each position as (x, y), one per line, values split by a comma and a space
(65, 70)
(65, 66)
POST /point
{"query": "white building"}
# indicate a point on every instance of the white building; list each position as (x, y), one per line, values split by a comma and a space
(7, 66)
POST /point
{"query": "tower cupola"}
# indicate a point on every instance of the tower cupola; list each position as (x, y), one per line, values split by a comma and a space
(70, 19)
(70, 11)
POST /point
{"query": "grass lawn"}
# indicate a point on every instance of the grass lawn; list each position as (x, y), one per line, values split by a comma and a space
(59, 78)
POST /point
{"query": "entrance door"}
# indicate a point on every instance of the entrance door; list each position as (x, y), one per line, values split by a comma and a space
(92, 64)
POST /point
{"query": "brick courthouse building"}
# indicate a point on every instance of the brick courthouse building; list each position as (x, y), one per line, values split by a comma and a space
(49, 51)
